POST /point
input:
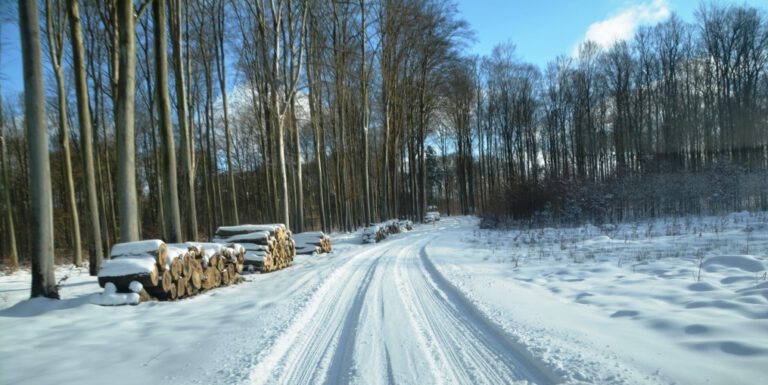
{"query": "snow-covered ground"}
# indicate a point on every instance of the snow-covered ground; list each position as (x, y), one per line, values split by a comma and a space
(665, 302)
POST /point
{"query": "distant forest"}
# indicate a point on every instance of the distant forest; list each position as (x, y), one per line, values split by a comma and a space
(168, 118)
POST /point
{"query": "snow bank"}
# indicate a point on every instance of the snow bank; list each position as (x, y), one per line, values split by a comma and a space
(656, 302)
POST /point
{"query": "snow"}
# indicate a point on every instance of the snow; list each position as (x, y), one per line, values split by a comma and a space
(114, 299)
(669, 301)
(135, 287)
(136, 248)
(133, 264)
(249, 237)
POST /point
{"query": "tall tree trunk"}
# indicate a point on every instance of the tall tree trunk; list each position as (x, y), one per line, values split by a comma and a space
(43, 280)
(221, 69)
(314, 112)
(366, 149)
(54, 20)
(13, 261)
(299, 227)
(170, 190)
(126, 145)
(184, 120)
(86, 137)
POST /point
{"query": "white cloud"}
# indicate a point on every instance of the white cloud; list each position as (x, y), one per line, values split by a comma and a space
(622, 26)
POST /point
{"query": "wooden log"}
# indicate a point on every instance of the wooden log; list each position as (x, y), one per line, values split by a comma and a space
(181, 287)
(154, 247)
(167, 280)
(216, 278)
(276, 230)
(121, 272)
(191, 290)
(232, 270)
(177, 266)
(225, 278)
(209, 278)
(214, 261)
(188, 267)
(196, 279)
(144, 296)
(172, 294)
(123, 282)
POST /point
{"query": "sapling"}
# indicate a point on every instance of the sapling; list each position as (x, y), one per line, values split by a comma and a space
(700, 259)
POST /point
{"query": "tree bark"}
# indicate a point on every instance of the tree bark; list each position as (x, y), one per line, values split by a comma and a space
(14, 257)
(54, 19)
(219, 56)
(86, 137)
(170, 191)
(43, 280)
(185, 131)
(124, 121)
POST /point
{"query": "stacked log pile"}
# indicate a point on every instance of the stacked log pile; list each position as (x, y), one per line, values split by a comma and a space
(312, 242)
(392, 226)
(155, 270)
(377, 232)
(267, 247)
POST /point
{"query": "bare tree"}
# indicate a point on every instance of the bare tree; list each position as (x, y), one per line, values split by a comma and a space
(183, 118)
(170, 190)
(219, 56)
(43, 281)
(55, 25)
(124, 119)
(86, 136)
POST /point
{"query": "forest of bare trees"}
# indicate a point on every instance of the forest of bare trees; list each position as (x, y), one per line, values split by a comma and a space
(169, 118)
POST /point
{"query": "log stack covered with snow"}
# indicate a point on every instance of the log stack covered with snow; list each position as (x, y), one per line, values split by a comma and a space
(267, 247)
(153, 269)
(312, 242)
(377, 232)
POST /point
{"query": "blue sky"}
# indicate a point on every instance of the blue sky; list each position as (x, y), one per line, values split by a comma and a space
(541, 30)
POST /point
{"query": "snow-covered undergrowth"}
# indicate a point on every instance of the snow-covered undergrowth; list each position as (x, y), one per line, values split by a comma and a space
(680, 301)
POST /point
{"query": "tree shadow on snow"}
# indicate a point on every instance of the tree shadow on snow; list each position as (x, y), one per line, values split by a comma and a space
(38, 306)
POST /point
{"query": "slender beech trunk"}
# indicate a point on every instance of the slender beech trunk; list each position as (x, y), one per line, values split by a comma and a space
(86, 137)
(43, 280)
(170, 190)
(221, 69)
(54, 26)
(299, 227)
(13, 261)
(366, 150)
(314, 112)
(183, 120)
(126, 141)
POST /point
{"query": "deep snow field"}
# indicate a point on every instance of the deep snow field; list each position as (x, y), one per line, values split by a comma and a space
(670, 301)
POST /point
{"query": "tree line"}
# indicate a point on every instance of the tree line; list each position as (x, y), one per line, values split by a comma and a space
(314, 114)
(673, 121)
(168, 118)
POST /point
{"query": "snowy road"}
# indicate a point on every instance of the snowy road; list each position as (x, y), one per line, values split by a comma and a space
(386, 316)
(443, 304)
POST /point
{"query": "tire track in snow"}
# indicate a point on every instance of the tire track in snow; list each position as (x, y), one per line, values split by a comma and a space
(342, 361)
(465, 347)
(305, 349)
(493, 335)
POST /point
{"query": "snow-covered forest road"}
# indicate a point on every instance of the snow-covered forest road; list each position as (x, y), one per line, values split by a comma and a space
(443, 304)
(387, 316)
